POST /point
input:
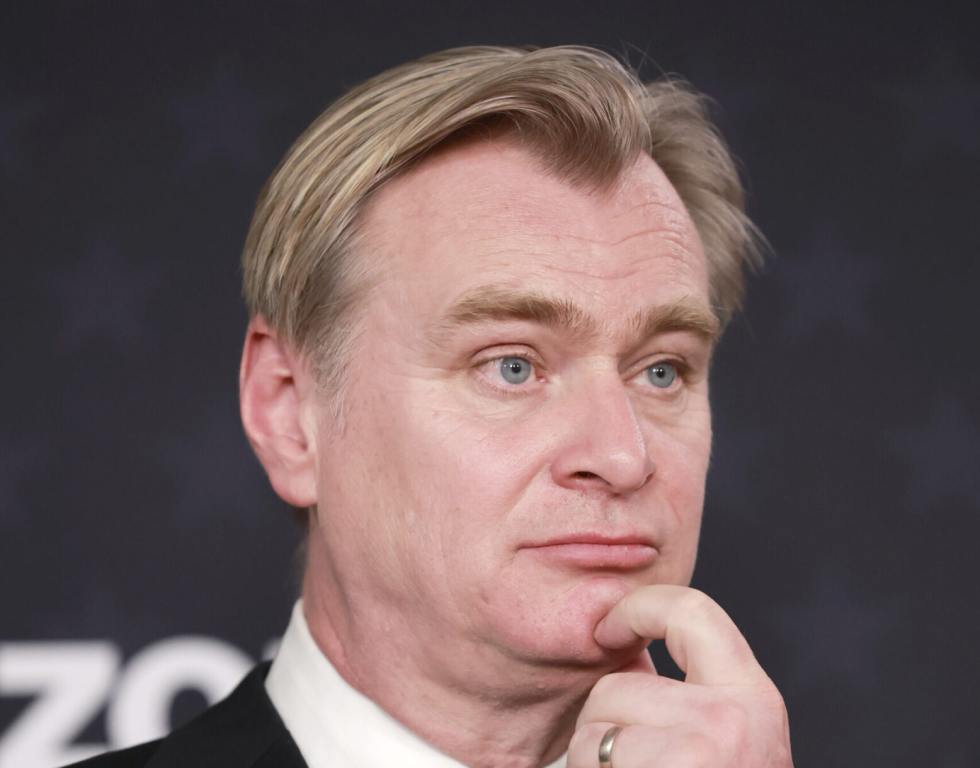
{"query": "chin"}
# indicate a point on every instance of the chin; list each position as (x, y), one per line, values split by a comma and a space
(556, 629)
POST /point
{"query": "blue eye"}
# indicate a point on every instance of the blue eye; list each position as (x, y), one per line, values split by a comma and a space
(515, 370)
(662, 375)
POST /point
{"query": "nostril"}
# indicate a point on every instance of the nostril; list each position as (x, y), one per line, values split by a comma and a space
(585, 475)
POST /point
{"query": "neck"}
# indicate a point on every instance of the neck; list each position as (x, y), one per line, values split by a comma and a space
(494, 713)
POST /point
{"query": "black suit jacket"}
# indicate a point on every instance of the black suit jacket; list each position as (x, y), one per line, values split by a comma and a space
(242, 731)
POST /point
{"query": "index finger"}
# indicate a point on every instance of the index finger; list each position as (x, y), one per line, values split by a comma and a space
(700, 636)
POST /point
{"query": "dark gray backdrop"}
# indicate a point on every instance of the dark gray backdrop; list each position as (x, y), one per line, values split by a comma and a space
(841, 522)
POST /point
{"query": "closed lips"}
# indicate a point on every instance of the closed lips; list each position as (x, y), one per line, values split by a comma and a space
(595, 551)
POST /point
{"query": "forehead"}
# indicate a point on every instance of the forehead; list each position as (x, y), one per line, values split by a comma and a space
(487, 213)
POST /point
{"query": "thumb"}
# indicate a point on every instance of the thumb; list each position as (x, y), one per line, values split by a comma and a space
(642, 662)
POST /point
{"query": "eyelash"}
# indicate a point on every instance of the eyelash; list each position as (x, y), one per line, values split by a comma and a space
(683, 371)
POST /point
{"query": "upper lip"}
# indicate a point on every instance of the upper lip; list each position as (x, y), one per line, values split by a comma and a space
(590, 537)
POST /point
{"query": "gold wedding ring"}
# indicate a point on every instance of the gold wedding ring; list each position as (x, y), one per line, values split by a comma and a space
(606, 747)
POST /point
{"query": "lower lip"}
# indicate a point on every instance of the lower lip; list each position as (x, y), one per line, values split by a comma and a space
(612, 556)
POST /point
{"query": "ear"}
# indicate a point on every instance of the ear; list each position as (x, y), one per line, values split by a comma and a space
(276, 393)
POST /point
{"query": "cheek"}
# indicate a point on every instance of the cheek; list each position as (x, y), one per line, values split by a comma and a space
(472, 466)
(437, 481)
(682, 468)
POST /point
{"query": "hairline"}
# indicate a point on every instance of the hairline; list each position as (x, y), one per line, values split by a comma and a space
(712, 199)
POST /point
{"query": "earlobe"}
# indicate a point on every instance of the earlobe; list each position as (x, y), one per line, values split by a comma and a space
(274, 390)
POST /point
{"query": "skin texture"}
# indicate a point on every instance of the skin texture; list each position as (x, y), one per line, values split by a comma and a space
(434, 583)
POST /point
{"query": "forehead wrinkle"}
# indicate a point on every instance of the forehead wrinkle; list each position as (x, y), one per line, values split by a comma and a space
(660, 203)
(677, 236)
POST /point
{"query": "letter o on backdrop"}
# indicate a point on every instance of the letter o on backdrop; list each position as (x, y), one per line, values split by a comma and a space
(140, 707)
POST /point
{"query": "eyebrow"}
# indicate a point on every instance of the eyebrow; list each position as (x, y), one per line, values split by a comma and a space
(491, 302)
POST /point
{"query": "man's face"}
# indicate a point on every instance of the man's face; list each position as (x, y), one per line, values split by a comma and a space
(527, 426)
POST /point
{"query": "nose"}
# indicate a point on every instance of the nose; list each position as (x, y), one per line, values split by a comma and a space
(603, 447)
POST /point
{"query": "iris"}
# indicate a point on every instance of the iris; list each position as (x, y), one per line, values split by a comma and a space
(515, 370)
(662, 375)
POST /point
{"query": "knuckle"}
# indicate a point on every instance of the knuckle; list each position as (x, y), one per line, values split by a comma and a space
(616, 682)
(729, 722)
(773, 699)
(771, 703)
(693, 751)
(780, 715)
(585, 735)
(606, 685)
(696, 603)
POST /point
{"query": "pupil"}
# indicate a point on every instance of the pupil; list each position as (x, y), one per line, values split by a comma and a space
(515, 369)
(662, 376)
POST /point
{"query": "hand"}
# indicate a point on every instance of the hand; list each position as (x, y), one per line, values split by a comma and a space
(726, 714)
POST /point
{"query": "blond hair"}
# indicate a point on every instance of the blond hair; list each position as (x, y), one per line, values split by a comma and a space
(579, 110)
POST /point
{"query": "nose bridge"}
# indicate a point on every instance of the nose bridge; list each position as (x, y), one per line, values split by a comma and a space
(605, 446)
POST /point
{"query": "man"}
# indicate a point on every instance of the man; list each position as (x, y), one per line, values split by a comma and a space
(484, 290)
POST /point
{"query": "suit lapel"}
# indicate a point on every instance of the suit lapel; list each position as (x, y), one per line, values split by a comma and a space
(242, 731)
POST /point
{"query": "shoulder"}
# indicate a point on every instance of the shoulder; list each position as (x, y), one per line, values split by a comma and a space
(241, 731)
(134, 757)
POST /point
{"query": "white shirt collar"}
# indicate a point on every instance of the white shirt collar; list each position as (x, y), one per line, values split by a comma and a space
(334, 724)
